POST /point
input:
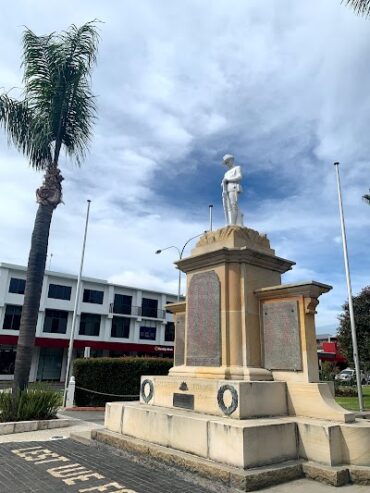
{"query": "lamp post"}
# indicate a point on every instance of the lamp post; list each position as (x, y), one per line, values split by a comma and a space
(71, 339)
(349, 290)
(180, 253)
(210, 217)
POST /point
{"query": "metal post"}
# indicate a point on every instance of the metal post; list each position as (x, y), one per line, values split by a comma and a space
(210, 217)
(71, 339)
(179, 287)
(349, 289)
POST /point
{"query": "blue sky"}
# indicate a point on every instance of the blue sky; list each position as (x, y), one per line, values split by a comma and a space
(284, 86)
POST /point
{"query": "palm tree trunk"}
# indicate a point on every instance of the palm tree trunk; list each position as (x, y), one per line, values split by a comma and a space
(49, 195)
(32, 295)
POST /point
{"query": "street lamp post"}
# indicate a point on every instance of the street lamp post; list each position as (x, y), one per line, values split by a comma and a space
(210, 217)
(180, 253)
(179, 281)
(349, 290)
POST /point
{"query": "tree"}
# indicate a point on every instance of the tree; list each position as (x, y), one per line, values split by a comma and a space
(361, 307)
(361, 7)
(56, 113)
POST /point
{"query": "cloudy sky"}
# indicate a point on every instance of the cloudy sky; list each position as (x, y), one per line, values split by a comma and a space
(283, 85)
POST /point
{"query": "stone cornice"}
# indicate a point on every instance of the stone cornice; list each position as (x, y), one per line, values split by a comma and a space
(235, 255)
(178, 307)
(308, 289)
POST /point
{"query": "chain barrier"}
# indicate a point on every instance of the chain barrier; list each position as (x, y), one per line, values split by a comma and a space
(106, 393)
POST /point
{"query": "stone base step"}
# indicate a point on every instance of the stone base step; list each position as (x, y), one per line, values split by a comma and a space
(228, 476)
(240, 443)
(244, 443)
(232, 477)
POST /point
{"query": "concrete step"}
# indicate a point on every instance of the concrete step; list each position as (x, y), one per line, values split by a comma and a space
(242, 443)
(242, 480)
(83, 437)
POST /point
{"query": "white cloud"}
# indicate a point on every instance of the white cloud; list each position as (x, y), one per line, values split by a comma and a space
(283, 85)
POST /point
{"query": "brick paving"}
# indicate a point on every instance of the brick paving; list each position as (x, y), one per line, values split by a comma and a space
(33, 469)
(59, 466)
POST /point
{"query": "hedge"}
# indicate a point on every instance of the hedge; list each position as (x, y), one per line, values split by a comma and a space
(120, 376)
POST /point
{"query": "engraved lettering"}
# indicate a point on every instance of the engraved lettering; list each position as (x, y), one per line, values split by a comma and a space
(281, 339)
(203, 322)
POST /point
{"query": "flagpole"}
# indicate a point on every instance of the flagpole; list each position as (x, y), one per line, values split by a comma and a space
(349, 290)
(77, 298)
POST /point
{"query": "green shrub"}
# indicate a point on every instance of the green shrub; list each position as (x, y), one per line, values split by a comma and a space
(328, 371)
(345, 391)
(35, 403)
(119, 376)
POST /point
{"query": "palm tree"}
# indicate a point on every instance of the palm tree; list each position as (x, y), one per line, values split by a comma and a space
(361, 7)
(366, 197)
(56, 113)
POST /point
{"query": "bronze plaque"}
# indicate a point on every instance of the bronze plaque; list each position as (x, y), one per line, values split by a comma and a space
(203, 323)
(186, 401)
(179, 339)
(281, 340)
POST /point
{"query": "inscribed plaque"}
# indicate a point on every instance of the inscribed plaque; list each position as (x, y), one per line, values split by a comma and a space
(281, 340)
(186, 401)
(179, 339)
(203, 323)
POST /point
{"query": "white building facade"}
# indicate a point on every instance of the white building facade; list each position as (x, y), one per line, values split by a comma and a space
(112, 320)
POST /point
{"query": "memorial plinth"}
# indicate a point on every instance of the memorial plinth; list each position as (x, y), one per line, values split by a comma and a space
(244, 389)
(222, 311)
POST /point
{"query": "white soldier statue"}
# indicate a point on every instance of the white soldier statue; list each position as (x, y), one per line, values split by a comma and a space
(231, 188)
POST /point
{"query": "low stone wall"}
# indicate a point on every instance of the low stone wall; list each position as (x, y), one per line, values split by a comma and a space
(23, 426)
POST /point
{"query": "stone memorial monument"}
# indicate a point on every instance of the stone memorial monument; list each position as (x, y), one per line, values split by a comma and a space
(244, 391)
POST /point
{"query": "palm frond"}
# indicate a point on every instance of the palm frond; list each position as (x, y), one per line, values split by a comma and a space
(58, 108)
(361, 7)
(23, 131)
(79, 122)
(73, 107)
(80, 45)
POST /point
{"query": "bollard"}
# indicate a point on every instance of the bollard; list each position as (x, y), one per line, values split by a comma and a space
(71, 392)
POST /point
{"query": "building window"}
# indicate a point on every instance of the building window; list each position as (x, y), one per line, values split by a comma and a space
(169, 332)
(17, 285)
(59, 292)
(7, 359)
(92, 296)
(122, 304)
(55, 321)
(12, 319)
(148, 333)
(90, 324)
(94, 353)
(120, 327)
(149, 308)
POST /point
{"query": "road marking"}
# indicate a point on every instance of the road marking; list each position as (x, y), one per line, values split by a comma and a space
(70, 473)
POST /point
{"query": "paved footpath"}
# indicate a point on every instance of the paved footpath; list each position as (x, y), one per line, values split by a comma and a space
(59, 466)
